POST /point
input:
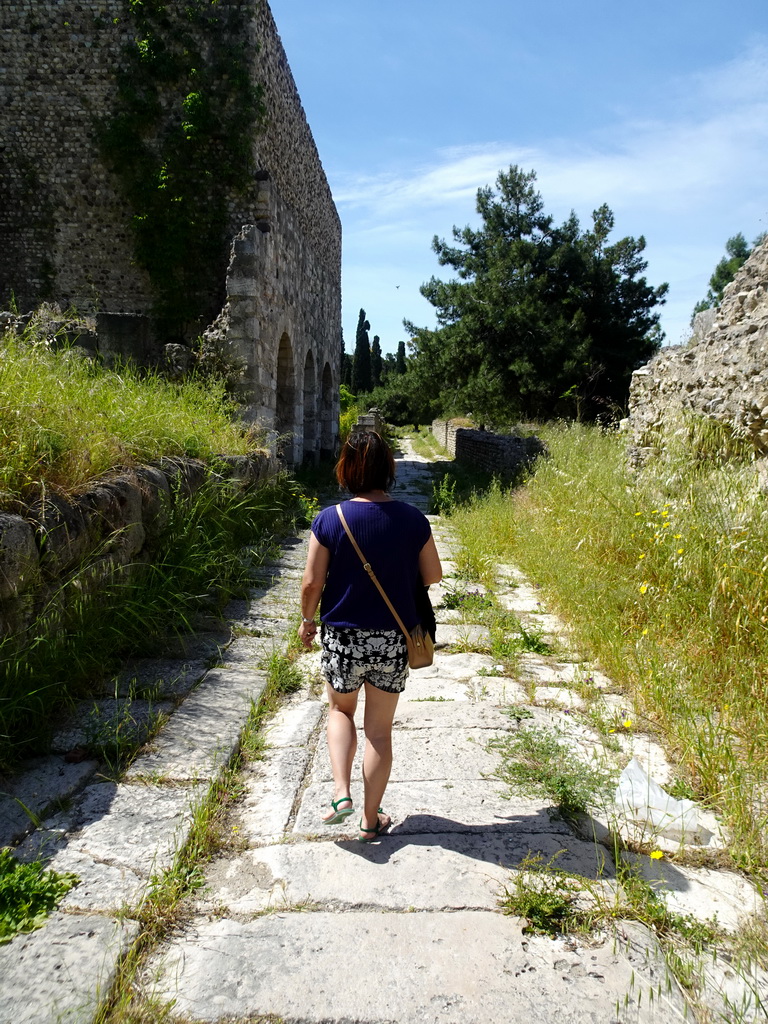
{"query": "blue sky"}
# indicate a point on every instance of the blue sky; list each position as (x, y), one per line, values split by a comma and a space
(659, 109)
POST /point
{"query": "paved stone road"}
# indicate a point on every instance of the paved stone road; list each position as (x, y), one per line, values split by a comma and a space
(304, 923)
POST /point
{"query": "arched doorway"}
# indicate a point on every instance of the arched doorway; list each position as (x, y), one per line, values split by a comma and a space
(285, 400)
(310, 409)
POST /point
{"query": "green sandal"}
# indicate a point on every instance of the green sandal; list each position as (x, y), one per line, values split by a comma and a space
(379, 828)
(338, 815)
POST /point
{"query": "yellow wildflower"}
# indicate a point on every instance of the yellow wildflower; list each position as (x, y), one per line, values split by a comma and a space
(643, 587)
(657, 855)
(627, 723)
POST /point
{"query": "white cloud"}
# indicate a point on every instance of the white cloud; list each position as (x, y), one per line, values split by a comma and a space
(687, 178)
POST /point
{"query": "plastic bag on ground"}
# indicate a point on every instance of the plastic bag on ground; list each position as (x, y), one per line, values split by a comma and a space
(642, 799)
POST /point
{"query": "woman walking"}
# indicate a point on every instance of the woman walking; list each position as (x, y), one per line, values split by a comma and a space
(361, 642)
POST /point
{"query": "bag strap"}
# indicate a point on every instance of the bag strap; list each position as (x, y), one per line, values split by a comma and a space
(369, 570)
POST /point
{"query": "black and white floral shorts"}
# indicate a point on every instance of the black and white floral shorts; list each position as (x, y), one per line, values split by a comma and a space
(351, 657)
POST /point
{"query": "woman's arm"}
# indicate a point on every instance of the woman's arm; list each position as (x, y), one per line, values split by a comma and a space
(312, 583)
(429, 563)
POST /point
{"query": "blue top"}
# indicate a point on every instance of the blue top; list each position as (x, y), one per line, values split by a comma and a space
(391, 535)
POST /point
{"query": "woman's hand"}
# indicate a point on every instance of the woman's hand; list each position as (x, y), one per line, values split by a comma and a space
(307, 633)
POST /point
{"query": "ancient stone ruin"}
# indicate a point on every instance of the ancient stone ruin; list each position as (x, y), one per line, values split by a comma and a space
(722, 375)
(264, 288)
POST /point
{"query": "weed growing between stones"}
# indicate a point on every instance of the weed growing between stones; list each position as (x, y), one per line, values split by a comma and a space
(545, 896)
(469, 602)
(553, 902)
(538, 761)
(28, 893)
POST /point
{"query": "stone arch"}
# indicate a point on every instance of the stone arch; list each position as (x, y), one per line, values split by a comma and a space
(285, 400)
(327, 433)
(310, 408)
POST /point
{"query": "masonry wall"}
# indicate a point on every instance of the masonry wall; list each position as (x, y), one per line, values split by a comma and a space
(65, 230)
(722, 375)
(494, 453)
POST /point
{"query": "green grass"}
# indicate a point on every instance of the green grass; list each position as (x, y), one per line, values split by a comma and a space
(662, 576)
(65, 420)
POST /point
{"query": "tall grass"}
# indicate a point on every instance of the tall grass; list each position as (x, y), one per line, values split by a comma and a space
(65, 419)
(210, 545)
(663, 577)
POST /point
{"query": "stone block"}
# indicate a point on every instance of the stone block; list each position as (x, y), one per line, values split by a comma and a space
(62, 972)
(464, 967)
(19, 559)
(138, 827)
(40, 783)
(204, 733)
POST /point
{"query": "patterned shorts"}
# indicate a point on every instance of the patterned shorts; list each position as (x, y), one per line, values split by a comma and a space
(351, 657)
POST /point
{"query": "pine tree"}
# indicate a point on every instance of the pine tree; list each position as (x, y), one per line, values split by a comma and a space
(540, 320)
(361, 364)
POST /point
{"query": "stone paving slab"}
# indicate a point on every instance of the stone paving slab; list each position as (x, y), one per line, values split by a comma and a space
(42, 782)
(456, 968)
(523, 598)
(438, 753)
(294, 724)
(160, 677)
(544, 671)
(271, 790)
(114, 723)
(458, 871)
(138, 827)
(58, 975)
(496, 689)
(739, 989)
(465, 634)
(429, 714)
(559, 695)
(204, 733)
(480, 805)
(103, 888)
(700, 892)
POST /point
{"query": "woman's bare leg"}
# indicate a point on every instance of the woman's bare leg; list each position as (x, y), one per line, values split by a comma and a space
(380, 707)
(342, 740)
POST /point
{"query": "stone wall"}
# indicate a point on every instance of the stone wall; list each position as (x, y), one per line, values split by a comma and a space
(722, 375)
(117, 521)
(494, 453)
(66, 231)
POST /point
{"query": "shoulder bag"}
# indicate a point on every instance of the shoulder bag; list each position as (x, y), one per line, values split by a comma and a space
(421, 650)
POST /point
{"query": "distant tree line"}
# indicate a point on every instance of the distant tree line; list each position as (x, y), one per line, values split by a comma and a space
(366, 369)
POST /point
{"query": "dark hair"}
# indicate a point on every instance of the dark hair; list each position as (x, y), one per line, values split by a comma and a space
(365, 463)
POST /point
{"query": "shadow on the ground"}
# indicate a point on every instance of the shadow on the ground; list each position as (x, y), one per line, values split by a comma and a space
(508, 842)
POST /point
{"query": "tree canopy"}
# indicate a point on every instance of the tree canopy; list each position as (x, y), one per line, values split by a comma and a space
(540, 320)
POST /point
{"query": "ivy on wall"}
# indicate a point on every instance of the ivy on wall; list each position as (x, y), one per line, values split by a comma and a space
(179, 139)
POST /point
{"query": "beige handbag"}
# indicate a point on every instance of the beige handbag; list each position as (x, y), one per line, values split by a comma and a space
(421, 650)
